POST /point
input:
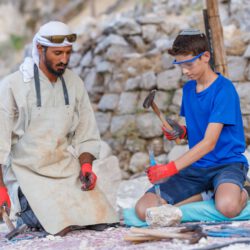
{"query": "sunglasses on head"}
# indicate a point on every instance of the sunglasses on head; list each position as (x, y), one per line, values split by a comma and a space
(60, 38)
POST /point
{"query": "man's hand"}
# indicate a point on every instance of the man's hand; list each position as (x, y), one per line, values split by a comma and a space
(178, 131)
(159, 172)
(87, 177)
(4, 198)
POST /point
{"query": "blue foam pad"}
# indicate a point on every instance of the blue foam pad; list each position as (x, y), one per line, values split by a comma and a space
(206, 211)
(196, 211)
(131, 219)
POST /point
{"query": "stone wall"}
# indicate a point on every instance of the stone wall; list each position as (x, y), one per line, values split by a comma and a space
(125, 57)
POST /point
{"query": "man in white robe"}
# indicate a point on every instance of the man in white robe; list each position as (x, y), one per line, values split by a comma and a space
(49, 139)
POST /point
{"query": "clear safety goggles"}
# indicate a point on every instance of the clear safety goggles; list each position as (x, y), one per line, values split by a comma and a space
(189, 60)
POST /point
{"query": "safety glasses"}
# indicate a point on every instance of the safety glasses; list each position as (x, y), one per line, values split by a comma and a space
(60, 38)
(189, 60)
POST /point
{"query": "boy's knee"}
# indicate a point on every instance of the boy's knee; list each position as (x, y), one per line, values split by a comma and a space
(140, 211)
(228, 208)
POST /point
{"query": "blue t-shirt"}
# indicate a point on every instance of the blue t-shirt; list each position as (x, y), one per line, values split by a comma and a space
(219, 103)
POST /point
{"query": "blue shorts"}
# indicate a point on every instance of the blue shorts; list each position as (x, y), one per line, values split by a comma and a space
(193, 180)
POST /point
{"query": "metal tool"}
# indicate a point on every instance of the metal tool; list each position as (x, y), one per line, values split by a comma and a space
(156, 186)
(149, 101)
(6, 218)
(192, 236)
(228, 231)
(16, 231)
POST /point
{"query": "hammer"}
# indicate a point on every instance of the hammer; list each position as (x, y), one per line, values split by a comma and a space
(149, 101)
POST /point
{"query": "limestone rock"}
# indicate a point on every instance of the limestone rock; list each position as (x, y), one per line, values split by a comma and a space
(86, 59)
(135, 144)
(163, 216)
(162, 99)
(161, 159)
(142, 96)
(108, 102)
(247, 52)
(157, 145)
(128, 102)
(75, 59)
(150, 18)
(125, 26)
(236, 68)
(103, 121)
(177, 98)
(109, 177)
(167, 145)
(138, 162)
(114, 86)
(148, 125)
(138, 43)
(163, 44)
(130, 191)
(149, 32)
(115, 53)
(243, 90)
(169, 79)
(235, 47)
(93, 82)
(122, 125)
(104, 66)
(133, 83)
(112, 39)
(148, 80)
(167, 61)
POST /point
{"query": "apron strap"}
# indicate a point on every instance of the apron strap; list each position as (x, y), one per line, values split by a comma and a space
(38, 91)
(65, 91)
(37, 85)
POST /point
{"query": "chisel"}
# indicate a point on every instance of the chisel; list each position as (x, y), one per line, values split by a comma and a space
(156, 186)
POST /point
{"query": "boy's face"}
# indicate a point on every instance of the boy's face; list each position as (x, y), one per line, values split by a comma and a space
(193, 67)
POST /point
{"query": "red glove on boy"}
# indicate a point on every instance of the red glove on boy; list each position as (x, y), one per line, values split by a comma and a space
(178, 131)
(159, 172)
(87, 177)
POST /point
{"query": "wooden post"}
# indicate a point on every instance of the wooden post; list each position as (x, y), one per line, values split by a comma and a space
(209, 38)
(217, 37)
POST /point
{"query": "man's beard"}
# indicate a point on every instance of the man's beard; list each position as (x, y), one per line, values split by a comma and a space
(57, 73)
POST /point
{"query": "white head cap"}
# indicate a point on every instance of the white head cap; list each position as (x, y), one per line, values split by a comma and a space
(53, 28)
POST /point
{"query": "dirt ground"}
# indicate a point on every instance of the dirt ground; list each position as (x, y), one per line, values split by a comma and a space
(113, 238)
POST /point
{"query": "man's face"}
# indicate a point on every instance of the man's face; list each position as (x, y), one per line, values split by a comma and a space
(56, 59)
(193, 70)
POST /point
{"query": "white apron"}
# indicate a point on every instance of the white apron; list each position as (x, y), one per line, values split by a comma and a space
(48, 174)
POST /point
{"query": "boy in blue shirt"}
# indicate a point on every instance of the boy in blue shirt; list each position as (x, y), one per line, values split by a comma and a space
(214, 129)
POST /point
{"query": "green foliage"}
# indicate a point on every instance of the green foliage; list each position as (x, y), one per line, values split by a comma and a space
(17, 42)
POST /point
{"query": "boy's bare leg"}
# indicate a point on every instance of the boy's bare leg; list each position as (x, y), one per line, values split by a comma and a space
(193, 198)
(151, 200)
(230, 199)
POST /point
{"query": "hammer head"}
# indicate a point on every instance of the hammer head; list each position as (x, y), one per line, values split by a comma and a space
(149, 99)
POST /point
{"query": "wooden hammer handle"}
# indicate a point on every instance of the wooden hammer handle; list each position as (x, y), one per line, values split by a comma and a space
(164, 122)
(7, 220)
(160, 234)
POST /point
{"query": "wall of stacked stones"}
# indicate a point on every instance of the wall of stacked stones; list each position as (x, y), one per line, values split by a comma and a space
(128, 57)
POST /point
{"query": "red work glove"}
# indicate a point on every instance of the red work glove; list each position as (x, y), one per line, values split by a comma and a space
(4, 197)
(87, 177)
(159, 172)
(178, 131)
